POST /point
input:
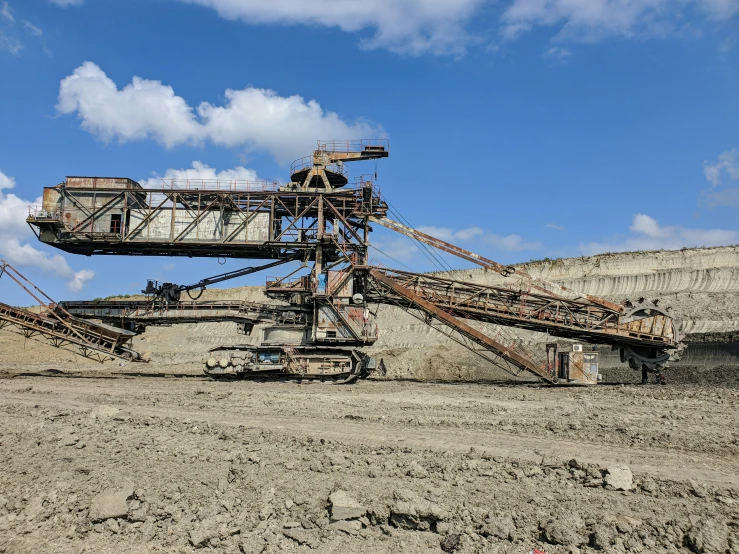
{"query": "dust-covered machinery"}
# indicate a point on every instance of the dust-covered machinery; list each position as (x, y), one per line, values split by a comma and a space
(322, 226)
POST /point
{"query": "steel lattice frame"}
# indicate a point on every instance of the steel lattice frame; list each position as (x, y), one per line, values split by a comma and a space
(513, 307)
(295, 217)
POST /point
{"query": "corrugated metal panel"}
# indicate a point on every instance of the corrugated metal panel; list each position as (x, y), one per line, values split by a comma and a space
(334, 278)
(209, 228)
(101, 182)
(258, 228)
(51, 200)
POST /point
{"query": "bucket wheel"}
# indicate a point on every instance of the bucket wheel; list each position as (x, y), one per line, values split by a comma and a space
(650, 358)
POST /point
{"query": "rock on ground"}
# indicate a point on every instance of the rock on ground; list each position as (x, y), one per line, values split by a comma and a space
(709, 536)
(344, 506)
(620, 478)
(104, 412)
(111, 503)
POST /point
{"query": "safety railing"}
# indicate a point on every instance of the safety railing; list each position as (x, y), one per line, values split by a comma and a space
(363, 323)
(37, 212)
(306, 162)
(364, 145)
(221, 185)
(298, 284)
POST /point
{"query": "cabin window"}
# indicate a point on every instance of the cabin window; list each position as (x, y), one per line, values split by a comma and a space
(115, 223)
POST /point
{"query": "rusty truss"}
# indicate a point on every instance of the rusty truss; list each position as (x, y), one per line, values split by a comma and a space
(94, 216)
(60, 329)
(455, 303)
(140, 313)
(508, 357)
(514, 307)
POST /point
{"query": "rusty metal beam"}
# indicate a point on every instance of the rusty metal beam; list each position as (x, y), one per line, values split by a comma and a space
(560, 317)
(540, 284)
(59, 327)
(146, 312)
(460, 326)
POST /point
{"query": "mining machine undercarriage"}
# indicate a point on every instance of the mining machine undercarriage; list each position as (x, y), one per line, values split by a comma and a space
(324, 318)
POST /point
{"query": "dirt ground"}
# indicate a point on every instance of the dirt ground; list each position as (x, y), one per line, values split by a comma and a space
(101, 463)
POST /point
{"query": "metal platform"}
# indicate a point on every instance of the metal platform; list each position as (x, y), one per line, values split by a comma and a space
(146, 312)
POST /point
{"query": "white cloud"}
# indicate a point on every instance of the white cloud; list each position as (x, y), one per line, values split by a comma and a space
(592, 20)
(260, 119)
(555, 226)
(558, 53)
(11, 44)
(719, 195)
(201, 172)
(65, 3)
(5, 12)
(392, 250)
(443, 27)
(405, 26)
(80, 279)
(728, 163)
(648, 234)
(6, 182)
(31, 28)
(143, 109)
(469, 233)
(13, 33)
(721, 198)
(447, 234)
(15, 236)
(509, 243)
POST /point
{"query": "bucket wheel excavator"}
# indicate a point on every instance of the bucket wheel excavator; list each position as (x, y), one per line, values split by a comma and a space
(320, 225)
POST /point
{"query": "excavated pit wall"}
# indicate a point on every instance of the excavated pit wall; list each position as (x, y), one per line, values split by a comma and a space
(701, 285)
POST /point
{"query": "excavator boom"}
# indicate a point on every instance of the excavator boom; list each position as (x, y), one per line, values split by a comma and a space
(544, 286)
(646, 335)
(392, 291)
(528, 310)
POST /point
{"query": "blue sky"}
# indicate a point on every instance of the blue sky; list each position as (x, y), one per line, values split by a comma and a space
(519, 128)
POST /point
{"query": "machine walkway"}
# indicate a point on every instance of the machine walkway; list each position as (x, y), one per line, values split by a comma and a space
(140, 313)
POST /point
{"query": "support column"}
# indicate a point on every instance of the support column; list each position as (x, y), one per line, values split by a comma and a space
(321, 233)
